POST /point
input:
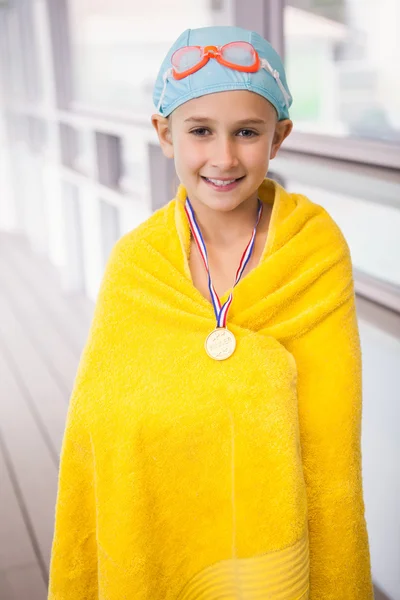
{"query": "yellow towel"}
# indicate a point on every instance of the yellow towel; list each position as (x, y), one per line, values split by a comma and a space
(186, 478)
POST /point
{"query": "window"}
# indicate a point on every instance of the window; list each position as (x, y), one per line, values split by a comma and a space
(118, 46)
(341, 58)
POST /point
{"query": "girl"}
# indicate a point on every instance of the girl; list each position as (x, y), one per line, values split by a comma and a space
(212, 447)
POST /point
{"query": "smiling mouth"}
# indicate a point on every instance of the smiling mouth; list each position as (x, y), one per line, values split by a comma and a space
(221, 182)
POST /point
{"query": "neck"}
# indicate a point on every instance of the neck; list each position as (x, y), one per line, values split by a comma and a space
(224, 229)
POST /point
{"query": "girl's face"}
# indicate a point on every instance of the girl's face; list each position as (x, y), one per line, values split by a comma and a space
(223, 136)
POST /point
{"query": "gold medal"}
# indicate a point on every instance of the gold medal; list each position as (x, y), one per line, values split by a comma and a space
(220, 343)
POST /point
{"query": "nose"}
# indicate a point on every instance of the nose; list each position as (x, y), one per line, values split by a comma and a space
(224, 157)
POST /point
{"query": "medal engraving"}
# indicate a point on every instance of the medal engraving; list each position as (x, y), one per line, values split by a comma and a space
(220, 343)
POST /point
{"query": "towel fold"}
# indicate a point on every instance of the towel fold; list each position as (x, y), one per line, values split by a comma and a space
(182, 477)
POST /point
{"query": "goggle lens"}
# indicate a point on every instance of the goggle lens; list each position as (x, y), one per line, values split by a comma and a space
(186, 58)
(238, 53)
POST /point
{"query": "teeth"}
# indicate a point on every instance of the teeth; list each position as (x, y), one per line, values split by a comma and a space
(220, 182)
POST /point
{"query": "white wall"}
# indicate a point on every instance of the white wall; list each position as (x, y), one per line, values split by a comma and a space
(381, 454)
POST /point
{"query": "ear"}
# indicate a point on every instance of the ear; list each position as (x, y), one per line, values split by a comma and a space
(163, 127)
(282, 130)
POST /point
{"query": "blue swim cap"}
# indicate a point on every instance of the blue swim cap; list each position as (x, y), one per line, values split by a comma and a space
(269, 81)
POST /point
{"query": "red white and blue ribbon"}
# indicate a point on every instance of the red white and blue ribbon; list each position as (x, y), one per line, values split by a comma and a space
(221, 312)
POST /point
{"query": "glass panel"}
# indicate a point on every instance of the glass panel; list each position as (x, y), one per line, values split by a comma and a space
(341, 58)
(110, 228)
(85, 151)
(74, 274)
(134, 161)
(29, 45)
(108, 155)
(163, 178)
(118, 46)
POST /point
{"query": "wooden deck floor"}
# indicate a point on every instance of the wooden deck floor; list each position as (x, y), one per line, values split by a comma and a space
(42, 333)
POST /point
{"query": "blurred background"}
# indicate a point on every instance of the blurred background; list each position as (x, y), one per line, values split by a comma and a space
(80, 166)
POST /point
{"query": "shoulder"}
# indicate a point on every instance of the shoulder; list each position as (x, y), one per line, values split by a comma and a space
(309, 226)
(322, 224)
(319, 259)
(153, 228)
(153, 231)
(330, 252)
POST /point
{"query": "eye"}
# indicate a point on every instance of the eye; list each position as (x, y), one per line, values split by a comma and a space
(199, 131)
(248, 131)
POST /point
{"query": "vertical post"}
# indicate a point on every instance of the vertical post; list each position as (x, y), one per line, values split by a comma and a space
(263, 16)
(8, 215)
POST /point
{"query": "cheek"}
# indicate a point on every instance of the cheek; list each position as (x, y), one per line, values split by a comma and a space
(189, 155)
(256, 156)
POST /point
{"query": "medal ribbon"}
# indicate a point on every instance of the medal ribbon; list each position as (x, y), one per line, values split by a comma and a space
(221, 312)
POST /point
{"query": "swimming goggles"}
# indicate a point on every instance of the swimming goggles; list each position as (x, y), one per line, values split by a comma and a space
(241, 56)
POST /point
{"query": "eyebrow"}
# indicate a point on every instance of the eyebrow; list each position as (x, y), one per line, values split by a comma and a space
(241, 122)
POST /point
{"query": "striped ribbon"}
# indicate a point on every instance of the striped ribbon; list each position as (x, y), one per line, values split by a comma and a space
(220, 311)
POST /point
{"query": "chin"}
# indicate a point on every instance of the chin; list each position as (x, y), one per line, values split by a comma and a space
(221, 204)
